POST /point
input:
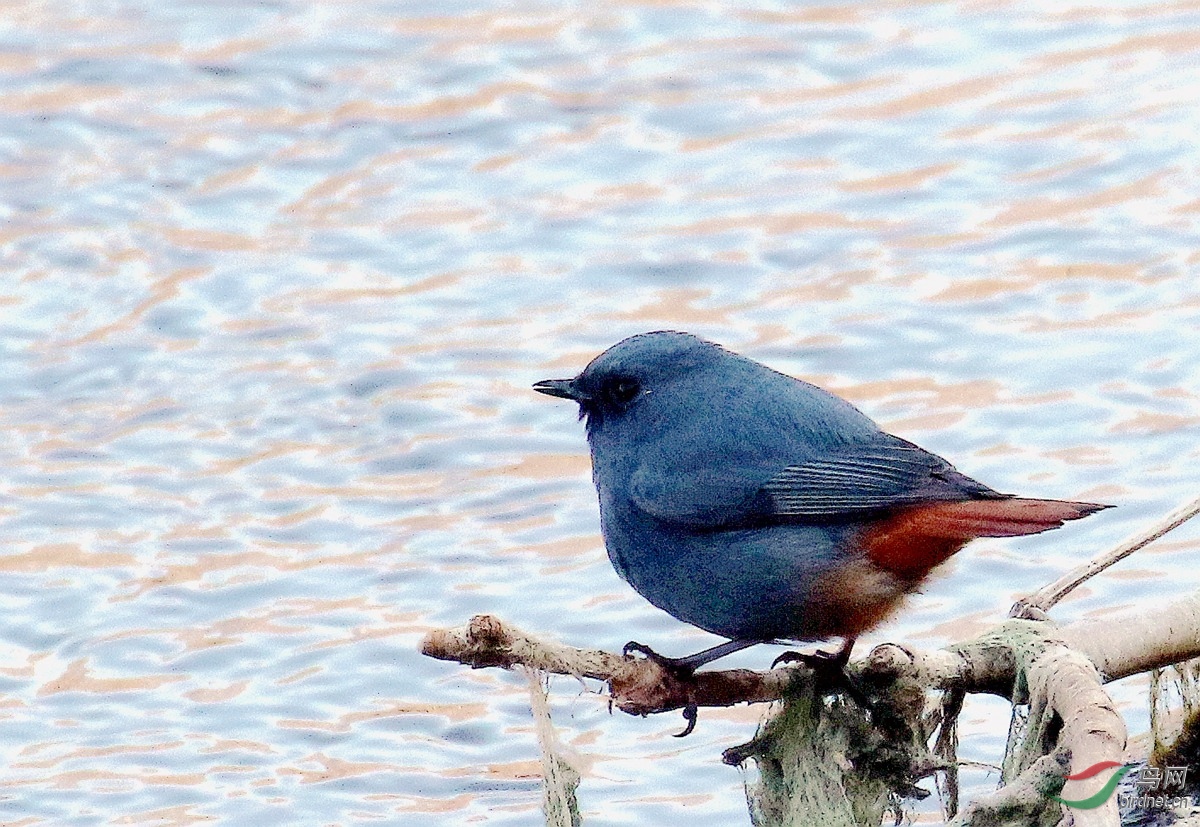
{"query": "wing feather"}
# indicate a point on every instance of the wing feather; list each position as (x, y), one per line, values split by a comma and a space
(872, 479)
(853, 481)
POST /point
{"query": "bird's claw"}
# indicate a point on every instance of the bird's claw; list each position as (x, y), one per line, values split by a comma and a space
(690, 713)
(818, 661)
(677, 669)
(641, 648)
(829, 669)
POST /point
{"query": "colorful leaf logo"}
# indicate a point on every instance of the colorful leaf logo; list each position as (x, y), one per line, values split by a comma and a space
(1105, 792)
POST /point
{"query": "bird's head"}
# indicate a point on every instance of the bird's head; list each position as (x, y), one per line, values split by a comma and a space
(626, 378)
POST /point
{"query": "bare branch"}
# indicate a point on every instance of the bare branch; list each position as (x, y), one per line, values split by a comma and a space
(1092, 729)
(1139, 641)
(1058, 671)
(1120, 646)
(487, 641)
(639, 686)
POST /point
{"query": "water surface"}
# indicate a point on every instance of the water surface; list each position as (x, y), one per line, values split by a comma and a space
(278, 278)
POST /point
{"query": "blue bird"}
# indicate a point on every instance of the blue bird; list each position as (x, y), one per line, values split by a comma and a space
(762, 508)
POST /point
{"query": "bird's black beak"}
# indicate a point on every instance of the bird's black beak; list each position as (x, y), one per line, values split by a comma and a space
(562, 388)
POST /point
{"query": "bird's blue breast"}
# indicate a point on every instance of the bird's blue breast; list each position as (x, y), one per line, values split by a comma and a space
(744, 583)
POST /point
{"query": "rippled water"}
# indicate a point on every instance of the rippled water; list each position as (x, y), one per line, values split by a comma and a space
(278, 278)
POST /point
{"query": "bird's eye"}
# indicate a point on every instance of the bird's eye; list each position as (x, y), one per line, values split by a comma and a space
(624, 391)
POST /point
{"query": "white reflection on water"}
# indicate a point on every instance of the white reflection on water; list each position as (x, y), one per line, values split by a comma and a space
(279, 278)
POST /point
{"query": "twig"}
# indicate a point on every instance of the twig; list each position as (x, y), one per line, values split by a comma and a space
(1035, 605)
(487, 641)
(639, 686)
(1118, 646)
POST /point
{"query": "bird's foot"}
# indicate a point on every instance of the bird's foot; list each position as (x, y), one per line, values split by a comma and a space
(818, 661)
(829, 669)
(678, 668)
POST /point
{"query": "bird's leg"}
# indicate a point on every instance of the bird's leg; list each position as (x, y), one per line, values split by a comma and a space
(683, 668)
(830, 669)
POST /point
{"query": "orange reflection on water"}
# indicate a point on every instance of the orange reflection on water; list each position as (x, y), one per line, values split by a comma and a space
(396, 709)
(63, 555)
(78, 677)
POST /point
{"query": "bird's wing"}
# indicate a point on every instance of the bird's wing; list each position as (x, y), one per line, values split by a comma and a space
(871, 478)
(705, 497)
(850, 482)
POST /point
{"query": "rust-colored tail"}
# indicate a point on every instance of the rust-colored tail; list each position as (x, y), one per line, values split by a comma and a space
(911, 542)
(999, 518)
